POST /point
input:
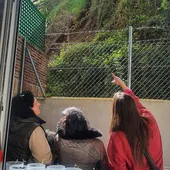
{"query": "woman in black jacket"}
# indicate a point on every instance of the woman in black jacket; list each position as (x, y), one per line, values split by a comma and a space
(27, 140)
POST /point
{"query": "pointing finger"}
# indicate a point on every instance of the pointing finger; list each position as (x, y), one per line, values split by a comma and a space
(113, 75)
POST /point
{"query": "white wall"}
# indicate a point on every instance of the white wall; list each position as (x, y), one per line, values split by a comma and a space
(98, 112)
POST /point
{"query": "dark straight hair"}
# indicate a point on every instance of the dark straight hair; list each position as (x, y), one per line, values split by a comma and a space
(22, 105)
(126, 118)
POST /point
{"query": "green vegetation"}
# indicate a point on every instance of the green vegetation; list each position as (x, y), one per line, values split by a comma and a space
(78, 66)
(106, 14)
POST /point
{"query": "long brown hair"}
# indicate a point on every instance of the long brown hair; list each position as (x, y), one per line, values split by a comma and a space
(126, 118)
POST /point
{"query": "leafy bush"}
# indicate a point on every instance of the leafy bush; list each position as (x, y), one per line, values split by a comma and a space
(85, 69)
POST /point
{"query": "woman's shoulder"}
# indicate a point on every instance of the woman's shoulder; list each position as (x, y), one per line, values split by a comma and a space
(38, 130)
(90, 142)
(118, 142)
(118, 135)
(87, 145)
(98, 141)
(77, 140)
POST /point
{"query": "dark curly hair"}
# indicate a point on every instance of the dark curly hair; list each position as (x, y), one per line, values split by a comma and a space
(77, 126)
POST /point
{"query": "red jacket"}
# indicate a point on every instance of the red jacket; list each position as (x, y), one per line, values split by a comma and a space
(1, 156)
(119, 151)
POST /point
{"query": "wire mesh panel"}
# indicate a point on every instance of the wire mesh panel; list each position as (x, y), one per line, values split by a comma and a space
(32, 24)
(151, 69)
(84, 70)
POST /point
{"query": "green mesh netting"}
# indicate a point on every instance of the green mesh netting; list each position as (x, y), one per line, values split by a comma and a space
(32, 24)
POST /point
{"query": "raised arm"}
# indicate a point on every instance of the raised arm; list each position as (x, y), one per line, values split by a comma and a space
(116, 80)
(142, 110)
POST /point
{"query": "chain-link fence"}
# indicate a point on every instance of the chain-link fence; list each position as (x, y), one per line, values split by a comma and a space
(150, 69)
(84, 69)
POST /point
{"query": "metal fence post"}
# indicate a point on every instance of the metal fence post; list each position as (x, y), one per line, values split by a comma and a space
(23, 64)
(130, 56)
(35, 71)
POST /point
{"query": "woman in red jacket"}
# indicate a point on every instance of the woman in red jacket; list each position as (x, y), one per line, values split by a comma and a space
(133, 132)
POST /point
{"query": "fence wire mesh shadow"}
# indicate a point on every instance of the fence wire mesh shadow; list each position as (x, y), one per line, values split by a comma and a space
(84, 70)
